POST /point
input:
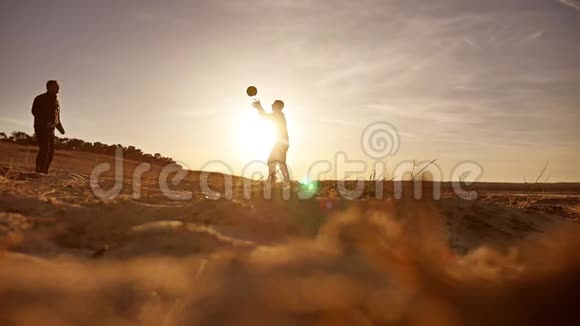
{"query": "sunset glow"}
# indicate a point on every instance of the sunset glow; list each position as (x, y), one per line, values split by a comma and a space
(253, 135)
(486, 81)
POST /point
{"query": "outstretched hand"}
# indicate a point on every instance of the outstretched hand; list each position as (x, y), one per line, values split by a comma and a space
(257, 104)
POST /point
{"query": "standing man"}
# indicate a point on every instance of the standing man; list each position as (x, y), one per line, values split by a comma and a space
(278, 154)
(46, 111)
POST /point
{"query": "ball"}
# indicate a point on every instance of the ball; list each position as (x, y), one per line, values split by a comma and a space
(252, 91)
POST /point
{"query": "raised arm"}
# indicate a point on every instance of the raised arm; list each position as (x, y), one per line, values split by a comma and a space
(260, 109)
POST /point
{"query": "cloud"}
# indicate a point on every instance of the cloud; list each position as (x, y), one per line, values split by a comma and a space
(571, 3)
(535, 35)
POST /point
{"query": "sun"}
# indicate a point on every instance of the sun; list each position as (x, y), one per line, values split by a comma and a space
(254, 136)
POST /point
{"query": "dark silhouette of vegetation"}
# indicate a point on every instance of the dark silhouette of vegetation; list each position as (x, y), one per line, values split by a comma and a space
(73, 144)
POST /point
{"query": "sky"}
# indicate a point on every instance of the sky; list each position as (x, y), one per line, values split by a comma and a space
(492, 82)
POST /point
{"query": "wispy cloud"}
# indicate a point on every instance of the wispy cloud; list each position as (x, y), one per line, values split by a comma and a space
(571, 3)
(535, 35)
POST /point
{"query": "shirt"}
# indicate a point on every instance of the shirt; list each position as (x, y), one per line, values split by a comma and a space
(46, 110)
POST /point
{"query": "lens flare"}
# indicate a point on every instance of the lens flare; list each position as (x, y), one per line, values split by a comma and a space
(308, 185)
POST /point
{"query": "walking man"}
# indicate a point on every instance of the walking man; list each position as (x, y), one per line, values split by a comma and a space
(46, 111)
(278, 154)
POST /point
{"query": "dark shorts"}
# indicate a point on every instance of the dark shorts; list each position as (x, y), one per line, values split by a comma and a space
(278, 154)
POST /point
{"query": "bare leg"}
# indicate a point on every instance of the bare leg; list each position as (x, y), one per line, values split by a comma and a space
(42, 155)
(285, 173)
(50, 154)
(272, 171)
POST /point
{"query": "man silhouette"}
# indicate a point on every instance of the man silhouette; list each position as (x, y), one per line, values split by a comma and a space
(46, 111)
(278, 154)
